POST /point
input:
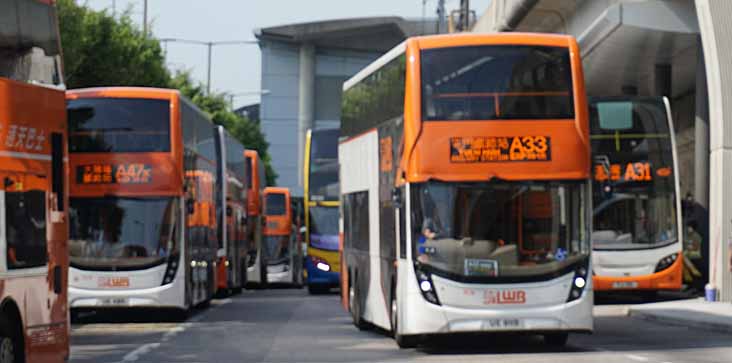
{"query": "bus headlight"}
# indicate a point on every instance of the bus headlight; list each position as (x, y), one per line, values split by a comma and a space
(579, 282)
(320, 264)
(426, 286)
(666, 262)
(171, 269)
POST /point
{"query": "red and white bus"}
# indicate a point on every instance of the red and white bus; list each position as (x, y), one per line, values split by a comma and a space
(33, 193)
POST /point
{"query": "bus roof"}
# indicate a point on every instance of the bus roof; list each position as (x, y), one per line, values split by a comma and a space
(123, 92)
(276, 190)
(459, 40)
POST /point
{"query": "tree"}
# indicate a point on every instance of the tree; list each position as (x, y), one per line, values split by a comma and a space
(247, 132)
(100, 50)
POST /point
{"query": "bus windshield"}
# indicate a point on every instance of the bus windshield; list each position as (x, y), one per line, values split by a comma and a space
(119, 125)
(122, 233)
(324, 228)
(275, 204)
(496, 83)
(634, 182)
(499, 229)
(323, 177)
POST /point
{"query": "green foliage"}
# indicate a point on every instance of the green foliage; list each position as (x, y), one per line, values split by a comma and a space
(248, 133)
(100, 50)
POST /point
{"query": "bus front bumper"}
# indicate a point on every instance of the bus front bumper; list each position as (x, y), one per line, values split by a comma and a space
(166, 296)
(319, 277)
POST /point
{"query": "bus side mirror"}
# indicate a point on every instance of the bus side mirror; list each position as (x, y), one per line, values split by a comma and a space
(396, 197)
(190, 206)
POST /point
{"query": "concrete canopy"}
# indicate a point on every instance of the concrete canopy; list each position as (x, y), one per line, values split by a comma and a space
(361, 34)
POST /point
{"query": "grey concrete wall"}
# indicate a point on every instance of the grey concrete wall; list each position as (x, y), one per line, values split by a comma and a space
(280, 107)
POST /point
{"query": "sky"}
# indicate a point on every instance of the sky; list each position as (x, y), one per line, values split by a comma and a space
(236, 69)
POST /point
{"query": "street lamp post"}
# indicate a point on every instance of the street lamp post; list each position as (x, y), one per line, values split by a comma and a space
(210, 46)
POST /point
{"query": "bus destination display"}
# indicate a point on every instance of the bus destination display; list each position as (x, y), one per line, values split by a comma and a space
(134, 173)
(497, 149)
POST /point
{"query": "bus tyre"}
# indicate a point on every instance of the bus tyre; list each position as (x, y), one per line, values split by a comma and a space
(10, 344)
(556, 339)
(403, 341)
(355, 308)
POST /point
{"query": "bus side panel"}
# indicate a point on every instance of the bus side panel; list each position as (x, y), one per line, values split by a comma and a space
(390, 138)
(30, 116)
(359, 179)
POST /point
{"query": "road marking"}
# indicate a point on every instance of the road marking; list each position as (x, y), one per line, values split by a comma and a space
(637, 358)
(134, 355)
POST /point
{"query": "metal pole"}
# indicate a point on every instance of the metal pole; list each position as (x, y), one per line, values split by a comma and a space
(208, 82)
(144, 19)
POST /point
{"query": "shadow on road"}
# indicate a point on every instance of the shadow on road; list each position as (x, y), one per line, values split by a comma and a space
(492, 344)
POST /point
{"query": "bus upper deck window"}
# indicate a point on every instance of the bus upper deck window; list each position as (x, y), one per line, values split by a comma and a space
(615, 115)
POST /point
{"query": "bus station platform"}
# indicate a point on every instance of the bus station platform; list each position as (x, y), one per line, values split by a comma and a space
(693, 313)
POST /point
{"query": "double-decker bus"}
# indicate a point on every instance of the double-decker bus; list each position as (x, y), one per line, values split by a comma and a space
(284, 257)
(465, 188)
(144, 200)
(637, 237)
(256, 258)
(33, 194)
(321, 201)
(232, 254)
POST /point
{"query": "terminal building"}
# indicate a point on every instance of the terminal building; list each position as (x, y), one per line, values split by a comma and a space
(303, 70)
(680, 49)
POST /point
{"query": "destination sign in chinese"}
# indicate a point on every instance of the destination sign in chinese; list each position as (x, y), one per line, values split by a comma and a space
(134, 173)
(497, 149)
(637, 172)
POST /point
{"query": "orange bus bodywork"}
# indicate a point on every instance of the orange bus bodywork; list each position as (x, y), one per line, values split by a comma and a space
(278, 225)
(29, 116)
(167, 177)
(425, 152)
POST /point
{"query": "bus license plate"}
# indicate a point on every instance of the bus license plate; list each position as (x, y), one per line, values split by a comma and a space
(625, 285)
(503, 324)
(114, 301)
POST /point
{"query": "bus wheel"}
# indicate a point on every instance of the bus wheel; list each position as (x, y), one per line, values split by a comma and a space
(556, 339)
(355, 308)
(403, 341)
(9, 343)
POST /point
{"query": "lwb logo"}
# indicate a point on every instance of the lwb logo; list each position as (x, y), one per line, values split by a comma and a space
(504, 297)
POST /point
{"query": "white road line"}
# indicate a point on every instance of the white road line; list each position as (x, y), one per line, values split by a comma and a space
(637, 358)
(134, 355)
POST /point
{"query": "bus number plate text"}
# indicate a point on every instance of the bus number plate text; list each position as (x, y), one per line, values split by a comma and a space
(625, 285)
(500, 149)
(502, 324)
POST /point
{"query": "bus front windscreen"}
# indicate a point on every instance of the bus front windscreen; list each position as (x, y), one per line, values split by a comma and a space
(323, 173)
(122, 233)
(634, 183)
(275, 204)
(499, 82)
(324, 228)
(119, 125)
(490, 231)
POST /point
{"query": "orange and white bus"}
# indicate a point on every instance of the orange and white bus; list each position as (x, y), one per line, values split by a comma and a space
(465, 188)
(284, 253)
(637, 239)
(33, 194)
(232, 254)
(256, 182)
(144, 200)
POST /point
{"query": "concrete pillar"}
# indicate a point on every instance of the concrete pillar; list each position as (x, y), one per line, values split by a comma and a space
(306, 102)
(701, 135)
(716, 33)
